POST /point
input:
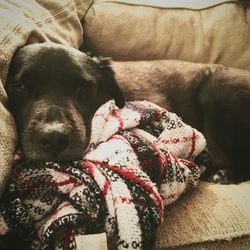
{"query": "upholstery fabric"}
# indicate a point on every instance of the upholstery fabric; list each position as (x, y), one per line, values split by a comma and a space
(205, 216)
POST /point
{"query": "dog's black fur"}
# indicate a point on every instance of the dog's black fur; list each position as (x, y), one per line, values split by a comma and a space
(55, 90)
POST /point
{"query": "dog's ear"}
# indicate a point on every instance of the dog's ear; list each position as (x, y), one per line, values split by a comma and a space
(113, 89)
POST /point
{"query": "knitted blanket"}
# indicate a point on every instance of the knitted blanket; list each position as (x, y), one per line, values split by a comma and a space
(140, 158)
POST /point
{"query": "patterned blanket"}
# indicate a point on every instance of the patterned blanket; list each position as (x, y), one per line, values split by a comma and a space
(140, 158)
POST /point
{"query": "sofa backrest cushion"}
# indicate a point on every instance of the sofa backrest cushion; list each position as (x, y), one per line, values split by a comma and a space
(215, 31)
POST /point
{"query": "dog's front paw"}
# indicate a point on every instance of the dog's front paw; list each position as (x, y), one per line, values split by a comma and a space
(221, 176)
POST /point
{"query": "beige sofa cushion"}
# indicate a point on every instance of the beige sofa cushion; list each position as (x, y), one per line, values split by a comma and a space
(205, 215)
(214, 31)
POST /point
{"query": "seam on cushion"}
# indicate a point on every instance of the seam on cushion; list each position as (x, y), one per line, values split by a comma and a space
(204, 33)
(87, 10)
(245, 15)
(176, 8)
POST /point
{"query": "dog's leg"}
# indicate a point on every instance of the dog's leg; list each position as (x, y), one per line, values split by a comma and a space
(225, 102)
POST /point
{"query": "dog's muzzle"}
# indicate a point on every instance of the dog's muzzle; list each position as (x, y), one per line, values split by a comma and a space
(54, 134)
(54, 137)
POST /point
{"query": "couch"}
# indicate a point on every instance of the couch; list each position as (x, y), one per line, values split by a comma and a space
(212, 216)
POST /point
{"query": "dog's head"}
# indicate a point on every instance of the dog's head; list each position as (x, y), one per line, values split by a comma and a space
(53, 93)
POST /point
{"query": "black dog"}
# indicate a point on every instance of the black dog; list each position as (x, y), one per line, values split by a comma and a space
(212, 98)
(55, 90)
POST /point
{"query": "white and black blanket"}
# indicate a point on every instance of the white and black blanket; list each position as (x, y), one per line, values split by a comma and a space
(140, 158)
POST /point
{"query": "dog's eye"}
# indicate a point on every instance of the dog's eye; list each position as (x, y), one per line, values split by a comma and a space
(21, 87)
(82, 88)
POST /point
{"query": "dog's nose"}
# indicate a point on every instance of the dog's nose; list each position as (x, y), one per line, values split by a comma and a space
(53, 142)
